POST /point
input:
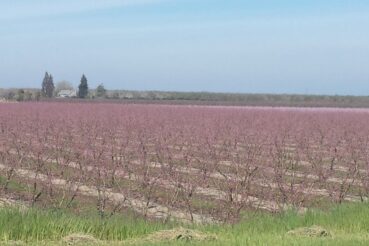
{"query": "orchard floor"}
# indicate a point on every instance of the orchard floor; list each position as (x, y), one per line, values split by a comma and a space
(347, 224)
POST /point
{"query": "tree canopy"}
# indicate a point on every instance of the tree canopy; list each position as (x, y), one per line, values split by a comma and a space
(48, 87)
(100, 91)
(83, 87)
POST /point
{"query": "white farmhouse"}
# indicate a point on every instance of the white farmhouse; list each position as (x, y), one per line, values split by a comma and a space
(67, 94)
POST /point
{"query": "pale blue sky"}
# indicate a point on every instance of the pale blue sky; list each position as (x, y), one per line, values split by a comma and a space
(275, 46)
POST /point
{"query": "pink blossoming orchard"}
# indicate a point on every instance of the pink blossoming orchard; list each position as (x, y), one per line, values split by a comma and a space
(198, 164)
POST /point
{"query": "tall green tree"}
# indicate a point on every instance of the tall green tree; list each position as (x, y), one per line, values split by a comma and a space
(83, 87)
(48, 87)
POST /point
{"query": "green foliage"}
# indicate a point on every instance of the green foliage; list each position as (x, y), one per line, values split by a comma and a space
(349, 225)
(11, 185)
(10, 95)
(48, 87)
(37, 225)
(23, 95)
(100, 91)
(20, 95)
(83, 87)
(37, 95)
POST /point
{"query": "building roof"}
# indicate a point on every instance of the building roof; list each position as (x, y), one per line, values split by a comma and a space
(70, 93)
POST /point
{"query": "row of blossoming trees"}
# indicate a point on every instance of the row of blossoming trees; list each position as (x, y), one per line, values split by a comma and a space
(184, 162)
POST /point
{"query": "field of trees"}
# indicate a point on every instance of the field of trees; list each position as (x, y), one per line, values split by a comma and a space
(192, 164)
(163, 122)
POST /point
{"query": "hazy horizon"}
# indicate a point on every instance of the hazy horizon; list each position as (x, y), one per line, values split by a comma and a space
(284, 47)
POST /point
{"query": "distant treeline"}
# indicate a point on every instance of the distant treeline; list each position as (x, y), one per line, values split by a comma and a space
(202, 98)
